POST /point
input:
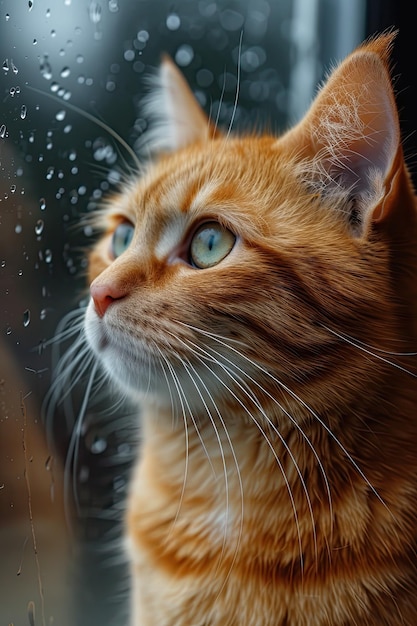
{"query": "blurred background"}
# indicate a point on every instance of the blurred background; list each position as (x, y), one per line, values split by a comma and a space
(59, 563)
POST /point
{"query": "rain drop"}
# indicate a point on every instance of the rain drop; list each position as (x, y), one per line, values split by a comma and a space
(6, 65)
(95, 12)
(173, 22)
(23, 111)
(48, 12)
(39, 227)
(14, 68)
(13, 189)
(46, 69)
(31, 613)
(18, 229)
(30, 3)
(184, 55)
(3, 131)
(98, 445)
(8, 330)
(113, 6)
(7, 17)
(60, 115)
(65, 72)
(26, 318)
(50, 173)
(48, 256)
(42, 204)
(35, 41)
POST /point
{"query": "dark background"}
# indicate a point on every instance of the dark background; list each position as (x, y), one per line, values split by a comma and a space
(56, 166)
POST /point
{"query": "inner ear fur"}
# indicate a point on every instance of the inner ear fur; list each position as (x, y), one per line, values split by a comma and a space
(349, 140)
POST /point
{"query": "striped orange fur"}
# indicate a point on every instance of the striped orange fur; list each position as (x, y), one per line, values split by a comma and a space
(256, 297)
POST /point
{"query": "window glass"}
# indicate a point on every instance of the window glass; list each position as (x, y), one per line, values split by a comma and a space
(73, 76)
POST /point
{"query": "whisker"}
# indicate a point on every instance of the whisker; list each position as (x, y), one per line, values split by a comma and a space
(279, 463)
(226, 481)
(73, 450)
(94, 119)
(304, 404)
(241, 384)
(372, 351)
(237, 86)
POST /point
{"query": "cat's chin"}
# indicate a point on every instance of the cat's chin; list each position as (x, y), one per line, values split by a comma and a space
(126, 367)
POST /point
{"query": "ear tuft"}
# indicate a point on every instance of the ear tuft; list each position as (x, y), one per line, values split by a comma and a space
(350, 137)
(176, 118)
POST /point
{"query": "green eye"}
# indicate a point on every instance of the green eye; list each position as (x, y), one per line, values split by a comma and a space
(210, 244)
(121, 239)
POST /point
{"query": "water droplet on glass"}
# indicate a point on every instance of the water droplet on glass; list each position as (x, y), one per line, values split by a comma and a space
(80, 58)
(42, 204)
(48, 463)
(113, 6)
(65, 72)
(18, 229)
(98, 445)
(48, 12)
(7, 17)
(3, 263)
(48, 256)
(173, 21)
(129, 55)
(34, 42)
(184, 55)
(46, 69)
(14, 68)
(23, 111)
(26, 318)
(6, 65)
(39, 227)
(8, 330)
(49, 174)
(142, 36)
(3, 131)
(53, 33)
(94, 12)
(31, 613)
(60, 115)
(42, 314)
(30, 3)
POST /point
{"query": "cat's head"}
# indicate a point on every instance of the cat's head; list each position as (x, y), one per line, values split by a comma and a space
(238, 267)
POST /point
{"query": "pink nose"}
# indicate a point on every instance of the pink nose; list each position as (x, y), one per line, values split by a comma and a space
(103, 295)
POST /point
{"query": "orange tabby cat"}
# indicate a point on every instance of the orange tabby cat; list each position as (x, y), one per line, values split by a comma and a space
(256, 297)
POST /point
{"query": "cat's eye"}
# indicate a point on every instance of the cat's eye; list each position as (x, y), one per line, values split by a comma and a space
(210, 244)
(121, 238)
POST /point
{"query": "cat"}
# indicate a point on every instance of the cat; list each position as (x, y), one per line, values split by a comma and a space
(255, 297)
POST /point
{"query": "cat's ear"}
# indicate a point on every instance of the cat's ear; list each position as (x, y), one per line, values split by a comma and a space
(349, 140)
(176, 118)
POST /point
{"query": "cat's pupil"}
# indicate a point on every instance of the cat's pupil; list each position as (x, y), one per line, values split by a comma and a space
(121, 239)
(210, 244)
